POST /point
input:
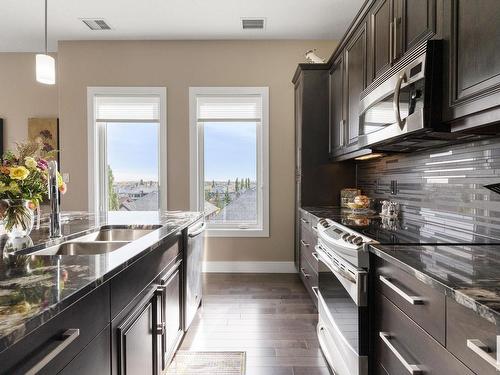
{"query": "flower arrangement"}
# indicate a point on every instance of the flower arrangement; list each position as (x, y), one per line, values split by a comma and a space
(24, 184)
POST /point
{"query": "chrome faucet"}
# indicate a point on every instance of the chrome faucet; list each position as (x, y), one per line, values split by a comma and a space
(55, 215)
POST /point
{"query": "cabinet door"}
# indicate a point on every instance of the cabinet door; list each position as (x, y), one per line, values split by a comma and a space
(337, 123)
(381, 43)
(474, 56)
(171, 314)
(355, 67)
(136, 340)
(415, 22)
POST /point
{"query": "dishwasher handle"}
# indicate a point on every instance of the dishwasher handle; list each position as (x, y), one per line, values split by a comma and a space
(198, 231)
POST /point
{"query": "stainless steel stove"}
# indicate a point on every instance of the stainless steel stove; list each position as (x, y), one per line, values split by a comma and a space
(342, 297)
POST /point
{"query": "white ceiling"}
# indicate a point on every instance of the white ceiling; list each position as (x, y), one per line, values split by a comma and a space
(21, 28)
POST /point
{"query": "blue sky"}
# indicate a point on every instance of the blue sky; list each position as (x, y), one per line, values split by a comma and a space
(133, 151)
(230, 151)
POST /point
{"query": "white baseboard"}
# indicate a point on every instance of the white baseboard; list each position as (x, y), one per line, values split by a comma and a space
(249, 267)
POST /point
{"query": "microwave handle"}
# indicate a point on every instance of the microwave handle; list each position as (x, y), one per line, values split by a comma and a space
(397, 92)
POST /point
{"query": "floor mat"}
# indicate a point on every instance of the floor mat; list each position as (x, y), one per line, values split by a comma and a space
(208, 363)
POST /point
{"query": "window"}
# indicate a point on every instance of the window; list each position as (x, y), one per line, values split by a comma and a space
(229, 159)
(127, 138)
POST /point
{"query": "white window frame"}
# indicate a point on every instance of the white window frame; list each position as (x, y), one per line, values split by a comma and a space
(196, 159)
(97, 144)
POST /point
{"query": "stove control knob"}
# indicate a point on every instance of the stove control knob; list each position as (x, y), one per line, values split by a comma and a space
(351, 238)
(357, 241)
(345, 236)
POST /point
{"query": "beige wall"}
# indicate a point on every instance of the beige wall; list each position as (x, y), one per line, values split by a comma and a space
(21, 96)
(178, 65)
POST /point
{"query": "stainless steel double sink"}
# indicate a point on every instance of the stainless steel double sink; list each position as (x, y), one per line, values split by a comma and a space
(105, 240)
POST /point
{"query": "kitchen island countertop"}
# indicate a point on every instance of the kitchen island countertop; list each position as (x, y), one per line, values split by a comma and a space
(35, 288)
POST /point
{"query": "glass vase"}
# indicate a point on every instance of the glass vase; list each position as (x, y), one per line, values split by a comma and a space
(17, 217)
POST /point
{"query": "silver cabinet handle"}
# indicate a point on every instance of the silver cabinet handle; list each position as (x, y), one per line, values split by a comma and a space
(304, 243)
(391, 41)
(482, 350)
(66, 339)
(412, 369)
(304, 220)
(315, 255)
(315, 290)
(395, 103)
(315, 228)
(306, 275)
(395, 39)
(414, 300)
(341, 132)
(198, 231)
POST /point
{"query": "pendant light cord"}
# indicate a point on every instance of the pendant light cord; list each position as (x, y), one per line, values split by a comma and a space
(45, 26)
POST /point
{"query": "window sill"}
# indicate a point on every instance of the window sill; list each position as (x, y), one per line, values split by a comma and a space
(240, 233)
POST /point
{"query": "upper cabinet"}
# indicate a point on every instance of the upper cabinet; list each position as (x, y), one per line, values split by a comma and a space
(355, 68)
(473, 35)
(395, 26)
(337, 122)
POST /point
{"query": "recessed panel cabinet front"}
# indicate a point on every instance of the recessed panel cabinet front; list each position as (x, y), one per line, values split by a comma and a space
(355, 67)
(474, 58)
(136, 340)
(337, 121)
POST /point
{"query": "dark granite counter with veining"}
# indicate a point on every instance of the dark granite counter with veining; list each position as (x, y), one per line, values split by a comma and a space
(35, 288)
(469, 274)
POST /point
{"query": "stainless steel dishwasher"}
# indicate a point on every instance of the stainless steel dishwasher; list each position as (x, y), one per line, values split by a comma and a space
(194, 259)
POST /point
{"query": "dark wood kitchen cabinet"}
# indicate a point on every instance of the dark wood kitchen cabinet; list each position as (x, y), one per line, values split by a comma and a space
(337, 117)
(395, 26)
(472, 32)
(137, 337)
(317, 180)
(355, 68)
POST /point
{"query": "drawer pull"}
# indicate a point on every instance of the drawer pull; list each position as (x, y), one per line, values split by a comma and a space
(304, 220)
(315, 255)
(412, 369)
(66, 339)
(414, 300)
(304, 243)
(315, 290)
(482, 350)
(306, 275)
(315, 228)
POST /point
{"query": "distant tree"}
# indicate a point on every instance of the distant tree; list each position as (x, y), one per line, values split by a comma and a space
(248, 183)
(207, 195)
(213, 184)
(227, 199)
(114, 202)
(236, 185)
(217, 200)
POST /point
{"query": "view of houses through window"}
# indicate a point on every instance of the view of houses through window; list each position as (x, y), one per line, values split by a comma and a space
(230, 170)
(132, 162)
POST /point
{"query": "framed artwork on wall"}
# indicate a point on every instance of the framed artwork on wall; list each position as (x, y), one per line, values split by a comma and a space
(45, 130)
(1, 136)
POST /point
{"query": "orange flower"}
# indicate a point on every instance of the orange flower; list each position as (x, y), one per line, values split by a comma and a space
(63, 188)
(4, 170)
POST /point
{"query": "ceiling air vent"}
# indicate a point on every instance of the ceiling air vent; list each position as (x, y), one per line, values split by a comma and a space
(96, 24)
(253, 23)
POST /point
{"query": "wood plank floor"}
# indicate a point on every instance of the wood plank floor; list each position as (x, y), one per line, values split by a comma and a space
(270, 316)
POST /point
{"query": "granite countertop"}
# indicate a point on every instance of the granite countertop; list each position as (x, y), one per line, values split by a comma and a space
(35, 288)
(469, 274)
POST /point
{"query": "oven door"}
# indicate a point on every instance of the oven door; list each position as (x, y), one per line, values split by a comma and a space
(343, 322)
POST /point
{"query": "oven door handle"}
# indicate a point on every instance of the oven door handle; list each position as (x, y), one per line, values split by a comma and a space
(321, 254)
(397, 93)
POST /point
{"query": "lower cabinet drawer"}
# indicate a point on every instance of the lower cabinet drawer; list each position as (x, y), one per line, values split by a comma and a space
(308, 241)
(51, 347)
(471, 338)
(309, 278)
(424, 304)
(94, 359)
(402, 347)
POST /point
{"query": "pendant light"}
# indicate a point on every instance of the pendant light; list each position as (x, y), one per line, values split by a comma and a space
(45, 64)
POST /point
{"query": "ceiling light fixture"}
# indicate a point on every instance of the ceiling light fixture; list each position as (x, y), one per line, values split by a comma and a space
(45, 64)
